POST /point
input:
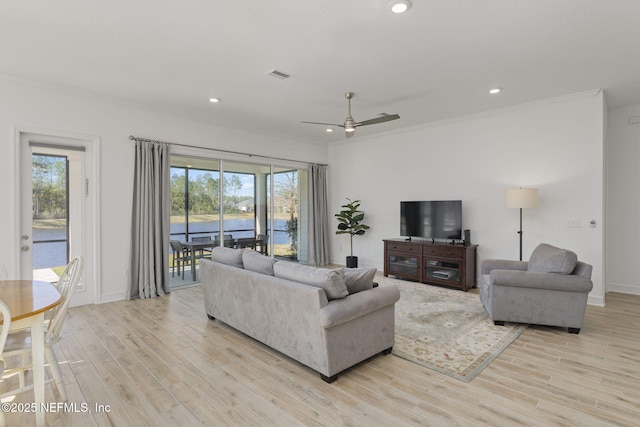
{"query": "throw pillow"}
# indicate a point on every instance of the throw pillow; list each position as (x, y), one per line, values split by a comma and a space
(549, 259)
(332, 281)
(358, 279)
(227, 256)
(255, 261)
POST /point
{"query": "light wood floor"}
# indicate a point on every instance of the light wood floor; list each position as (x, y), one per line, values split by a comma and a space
(161, 362)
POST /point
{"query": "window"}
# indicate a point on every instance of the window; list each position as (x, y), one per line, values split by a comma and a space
(211, 196)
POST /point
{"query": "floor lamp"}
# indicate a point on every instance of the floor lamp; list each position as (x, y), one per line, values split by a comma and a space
(521, 198)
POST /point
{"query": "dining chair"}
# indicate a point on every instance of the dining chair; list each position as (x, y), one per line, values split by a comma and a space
(227, 240)
(19, 343)
(202, 252)
(6, 323)
(261, 240)
(245, 242)
(180, 258)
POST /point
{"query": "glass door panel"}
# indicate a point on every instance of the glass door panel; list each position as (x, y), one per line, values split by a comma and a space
(195, 198)
(203, 203)
(50, 222)
(287, 193)
(195, 211)
(178, 203)
(239, 201)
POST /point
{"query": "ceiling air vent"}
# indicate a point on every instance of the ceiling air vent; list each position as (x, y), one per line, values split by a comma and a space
(279, 74)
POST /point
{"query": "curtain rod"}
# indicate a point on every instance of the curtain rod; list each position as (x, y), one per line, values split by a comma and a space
(135, 138)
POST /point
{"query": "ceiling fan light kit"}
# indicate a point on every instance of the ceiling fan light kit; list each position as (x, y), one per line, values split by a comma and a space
(350, 124)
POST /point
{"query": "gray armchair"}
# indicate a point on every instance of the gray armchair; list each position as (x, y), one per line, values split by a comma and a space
(550, 289)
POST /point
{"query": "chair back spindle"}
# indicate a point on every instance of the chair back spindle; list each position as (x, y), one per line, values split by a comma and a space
(66, 286)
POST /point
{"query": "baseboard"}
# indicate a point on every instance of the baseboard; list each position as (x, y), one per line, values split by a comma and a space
(623, 288)
(598, 301)
(111, 297)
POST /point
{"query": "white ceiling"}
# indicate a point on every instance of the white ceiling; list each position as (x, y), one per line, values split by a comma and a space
(434, 62)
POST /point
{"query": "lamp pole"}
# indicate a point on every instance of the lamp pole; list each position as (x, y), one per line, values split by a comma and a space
(521, 198)
(520, 233)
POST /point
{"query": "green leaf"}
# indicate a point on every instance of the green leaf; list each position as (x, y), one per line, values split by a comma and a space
(349, 219)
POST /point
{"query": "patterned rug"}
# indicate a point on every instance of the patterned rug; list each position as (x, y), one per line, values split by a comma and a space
(447, 330)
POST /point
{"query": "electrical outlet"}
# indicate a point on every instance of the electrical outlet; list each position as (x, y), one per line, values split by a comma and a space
(573, 223)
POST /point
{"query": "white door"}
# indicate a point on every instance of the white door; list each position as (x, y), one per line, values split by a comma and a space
(54, 206)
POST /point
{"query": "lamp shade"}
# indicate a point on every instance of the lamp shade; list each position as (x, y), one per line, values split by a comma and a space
(521, 198)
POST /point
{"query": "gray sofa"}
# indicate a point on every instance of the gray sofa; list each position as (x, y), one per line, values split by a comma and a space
(550, 289)
(328, 320)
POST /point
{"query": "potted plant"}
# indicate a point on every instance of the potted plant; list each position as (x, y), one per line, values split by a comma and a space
(350, 222)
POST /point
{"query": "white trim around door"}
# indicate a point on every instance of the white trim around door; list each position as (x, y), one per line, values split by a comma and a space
(90, 221)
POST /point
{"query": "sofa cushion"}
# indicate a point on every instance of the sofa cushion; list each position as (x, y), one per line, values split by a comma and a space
(257, 262)
(227, 256)
(358, 279)
(549, 259)
(332, 281)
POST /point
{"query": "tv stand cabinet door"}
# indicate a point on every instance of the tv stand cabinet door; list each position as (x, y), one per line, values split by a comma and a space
(458, 259)
(403, 259)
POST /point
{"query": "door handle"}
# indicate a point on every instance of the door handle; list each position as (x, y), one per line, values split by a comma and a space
(25, 248)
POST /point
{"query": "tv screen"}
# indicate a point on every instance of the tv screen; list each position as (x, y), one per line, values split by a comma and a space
(439, 219)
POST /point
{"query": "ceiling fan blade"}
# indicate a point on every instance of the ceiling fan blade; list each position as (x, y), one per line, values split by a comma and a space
(326, 124)
(377, 120)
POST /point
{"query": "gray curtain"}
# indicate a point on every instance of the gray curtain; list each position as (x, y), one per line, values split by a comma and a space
(149, 264)
(319, 220)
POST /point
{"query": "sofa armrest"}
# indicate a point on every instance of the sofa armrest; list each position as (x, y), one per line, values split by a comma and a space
(502, 264)
(340, 311)
(551, 281)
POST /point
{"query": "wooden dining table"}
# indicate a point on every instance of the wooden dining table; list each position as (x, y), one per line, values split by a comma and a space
(28, 300)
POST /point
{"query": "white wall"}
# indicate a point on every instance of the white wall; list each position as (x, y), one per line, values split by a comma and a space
(623, 200)
(25, 104)
(554, 145)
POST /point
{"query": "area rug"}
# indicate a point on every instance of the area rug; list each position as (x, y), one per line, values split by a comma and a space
(447, 330)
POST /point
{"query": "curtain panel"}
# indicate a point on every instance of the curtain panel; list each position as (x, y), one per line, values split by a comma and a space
(149, 257)
(319, 236)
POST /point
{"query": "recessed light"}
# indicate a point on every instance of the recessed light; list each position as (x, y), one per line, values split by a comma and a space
(214, 100)
(495, 90)
(399, 6)
(328, 130)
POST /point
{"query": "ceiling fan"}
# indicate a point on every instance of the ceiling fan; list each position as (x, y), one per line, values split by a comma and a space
(350, 124)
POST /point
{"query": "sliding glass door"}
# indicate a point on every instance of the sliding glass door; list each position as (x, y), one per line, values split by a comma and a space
(229, 200)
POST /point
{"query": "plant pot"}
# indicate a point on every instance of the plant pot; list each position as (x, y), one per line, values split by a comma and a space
(352, 262)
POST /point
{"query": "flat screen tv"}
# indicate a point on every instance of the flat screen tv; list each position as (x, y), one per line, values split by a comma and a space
(438, 219)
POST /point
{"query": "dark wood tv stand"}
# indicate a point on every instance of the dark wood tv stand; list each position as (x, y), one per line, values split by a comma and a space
(436, 263)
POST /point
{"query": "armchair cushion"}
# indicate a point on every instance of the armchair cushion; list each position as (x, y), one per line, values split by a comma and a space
(549, 259)
(535, 280)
